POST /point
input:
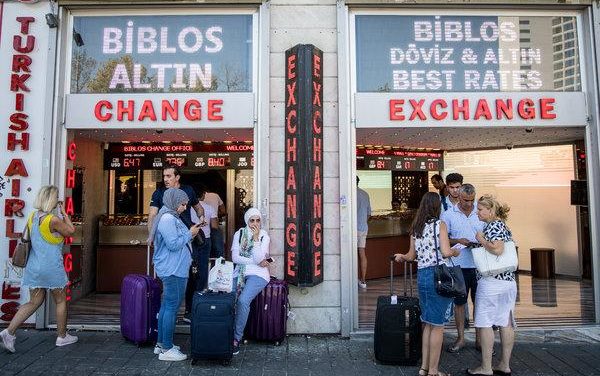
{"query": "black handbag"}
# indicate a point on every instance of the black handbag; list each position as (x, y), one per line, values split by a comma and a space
(448, 280)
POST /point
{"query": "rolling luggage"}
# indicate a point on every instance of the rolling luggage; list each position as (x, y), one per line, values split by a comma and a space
(140, 303)
(268, 313)
(211, 329)
(398, 325)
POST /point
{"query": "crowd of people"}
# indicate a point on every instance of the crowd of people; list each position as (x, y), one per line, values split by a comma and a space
(183, 228)
(447, 227)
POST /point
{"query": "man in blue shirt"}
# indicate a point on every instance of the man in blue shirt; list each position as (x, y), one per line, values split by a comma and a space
(463, 224)
(363, 211)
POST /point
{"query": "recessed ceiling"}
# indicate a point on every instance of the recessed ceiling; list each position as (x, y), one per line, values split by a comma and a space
(172, 135)
(468, 138)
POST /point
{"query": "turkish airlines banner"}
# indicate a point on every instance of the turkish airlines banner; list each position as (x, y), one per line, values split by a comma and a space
(470, 109)
(24, 58)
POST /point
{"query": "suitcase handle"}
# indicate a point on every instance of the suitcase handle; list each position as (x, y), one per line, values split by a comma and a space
(406, 266)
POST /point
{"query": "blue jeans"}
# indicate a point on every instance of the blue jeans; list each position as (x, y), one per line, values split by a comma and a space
(173, 294)
(254, 285)
(217, 246)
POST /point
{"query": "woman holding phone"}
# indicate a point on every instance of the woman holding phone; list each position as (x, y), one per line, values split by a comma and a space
(45, 269)
(172, 259)
(250, 253)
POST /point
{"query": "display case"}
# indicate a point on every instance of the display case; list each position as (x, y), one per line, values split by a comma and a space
(122, 249)
(388, 234)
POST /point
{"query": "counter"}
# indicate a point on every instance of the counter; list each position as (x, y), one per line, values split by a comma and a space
(122, 250)
(388, 234)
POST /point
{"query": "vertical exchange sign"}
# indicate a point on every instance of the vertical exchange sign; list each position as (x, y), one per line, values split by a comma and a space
(304, 165)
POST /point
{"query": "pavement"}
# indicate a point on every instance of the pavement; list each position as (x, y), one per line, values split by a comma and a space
(574, 351)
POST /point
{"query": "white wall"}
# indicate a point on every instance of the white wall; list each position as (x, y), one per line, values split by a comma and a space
(317, 309)
(535, 183)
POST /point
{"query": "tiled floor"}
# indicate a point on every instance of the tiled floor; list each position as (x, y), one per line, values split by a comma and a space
(540, 302)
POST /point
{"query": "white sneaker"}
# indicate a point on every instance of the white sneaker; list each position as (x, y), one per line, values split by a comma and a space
(8, 341)
(66, 340)
(362, 285)
(159, 350)
(172, 355)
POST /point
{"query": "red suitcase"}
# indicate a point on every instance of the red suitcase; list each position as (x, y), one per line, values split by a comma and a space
(268, 313)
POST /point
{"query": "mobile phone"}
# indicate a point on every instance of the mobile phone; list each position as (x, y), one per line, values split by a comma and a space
(269, 260)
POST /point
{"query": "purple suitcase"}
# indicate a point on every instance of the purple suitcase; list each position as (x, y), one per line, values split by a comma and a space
(268, 313)
(140, 303)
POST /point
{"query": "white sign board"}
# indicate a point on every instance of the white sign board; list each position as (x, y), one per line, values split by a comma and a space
(375, 110)
(24, 58)
(160, 111)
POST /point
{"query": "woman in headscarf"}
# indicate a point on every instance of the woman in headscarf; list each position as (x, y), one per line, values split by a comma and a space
(249, 251)
(172, 259)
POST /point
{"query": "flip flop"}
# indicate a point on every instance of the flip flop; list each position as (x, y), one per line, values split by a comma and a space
(477, 374)
(501, 373)
(454, 349)
(424, 372)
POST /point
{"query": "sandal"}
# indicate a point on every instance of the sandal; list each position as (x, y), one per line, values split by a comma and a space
(454, 348)
(439, 374)
(424, 372)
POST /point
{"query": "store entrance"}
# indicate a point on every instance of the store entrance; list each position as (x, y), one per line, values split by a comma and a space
(539, 172)
(120, 170)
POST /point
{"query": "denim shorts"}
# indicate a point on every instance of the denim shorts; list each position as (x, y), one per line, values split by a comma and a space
(435, 309)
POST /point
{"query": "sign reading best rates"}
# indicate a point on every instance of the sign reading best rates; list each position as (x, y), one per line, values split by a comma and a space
(466, 53)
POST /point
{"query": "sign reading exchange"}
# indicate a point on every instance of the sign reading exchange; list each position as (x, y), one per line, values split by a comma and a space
(466, 53)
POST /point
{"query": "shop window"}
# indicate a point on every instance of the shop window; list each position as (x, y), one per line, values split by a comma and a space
(425, 53)
(185, 53)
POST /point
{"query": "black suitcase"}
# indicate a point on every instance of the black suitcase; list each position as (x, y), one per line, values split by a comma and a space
(398, 325)
(211, 329)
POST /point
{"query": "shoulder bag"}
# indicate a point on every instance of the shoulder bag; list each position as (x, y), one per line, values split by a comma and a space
(21, 253)
(449, 281)
(489, 264)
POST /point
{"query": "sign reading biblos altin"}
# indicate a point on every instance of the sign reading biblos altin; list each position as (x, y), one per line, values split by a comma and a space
(185, 71)
(303, 244)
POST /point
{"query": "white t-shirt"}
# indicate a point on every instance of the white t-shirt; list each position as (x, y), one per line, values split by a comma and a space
(213, 200)
(209, 214)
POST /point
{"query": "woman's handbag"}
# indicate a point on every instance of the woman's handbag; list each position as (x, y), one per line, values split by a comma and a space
(489, 264)
(21, 253)
(449, 281)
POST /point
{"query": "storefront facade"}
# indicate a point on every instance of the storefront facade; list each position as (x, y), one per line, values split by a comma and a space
(169, 85)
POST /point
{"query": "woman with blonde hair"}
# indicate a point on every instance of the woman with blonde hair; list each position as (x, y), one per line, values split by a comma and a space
(497, 294)
(45, 269)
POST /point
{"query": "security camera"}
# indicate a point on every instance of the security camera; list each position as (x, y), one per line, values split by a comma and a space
(159, 131)
(509, 146)
(529, 130)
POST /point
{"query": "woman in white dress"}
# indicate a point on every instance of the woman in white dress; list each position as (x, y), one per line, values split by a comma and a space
(497, 294)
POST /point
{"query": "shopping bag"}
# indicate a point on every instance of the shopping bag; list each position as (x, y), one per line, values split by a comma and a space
(220, 277)
(489, 264)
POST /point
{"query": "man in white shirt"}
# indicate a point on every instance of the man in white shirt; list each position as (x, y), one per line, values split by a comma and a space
(199, 276)
(463, 224)
(214, 200)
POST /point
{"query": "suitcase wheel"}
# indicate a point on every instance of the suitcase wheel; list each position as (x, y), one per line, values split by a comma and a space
(277, 343)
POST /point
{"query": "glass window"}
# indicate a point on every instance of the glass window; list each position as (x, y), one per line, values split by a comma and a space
(180, 53)
(396, 53)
